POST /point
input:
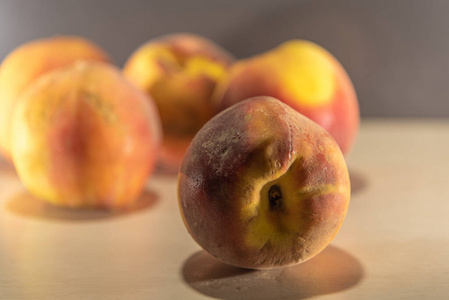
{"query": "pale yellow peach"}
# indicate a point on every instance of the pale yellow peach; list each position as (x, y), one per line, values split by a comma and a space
(28, 62)
(83, 136)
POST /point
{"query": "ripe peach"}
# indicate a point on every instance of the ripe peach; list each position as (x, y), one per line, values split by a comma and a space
(180, 73)
(306, 77)
(83, 136)
(262, 186)
(31, 60)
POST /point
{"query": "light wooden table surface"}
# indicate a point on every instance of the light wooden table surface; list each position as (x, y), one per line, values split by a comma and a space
(394, 243)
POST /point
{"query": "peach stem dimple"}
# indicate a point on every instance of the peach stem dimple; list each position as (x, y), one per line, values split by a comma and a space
(274, 197)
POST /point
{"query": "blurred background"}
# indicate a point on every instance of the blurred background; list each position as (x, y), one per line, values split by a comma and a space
(396, 52)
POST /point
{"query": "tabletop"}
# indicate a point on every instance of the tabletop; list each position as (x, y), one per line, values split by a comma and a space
(394, 243)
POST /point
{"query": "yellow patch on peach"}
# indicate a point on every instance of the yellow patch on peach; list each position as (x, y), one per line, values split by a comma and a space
(310, 76)
(142, 67)
(151, 62)
(263, 226)
(23, 136)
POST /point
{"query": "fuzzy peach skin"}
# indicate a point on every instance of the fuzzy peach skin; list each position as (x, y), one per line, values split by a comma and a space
(29, 61)
(84, 137)
(306, 77)
(180, 72)
(262, 186)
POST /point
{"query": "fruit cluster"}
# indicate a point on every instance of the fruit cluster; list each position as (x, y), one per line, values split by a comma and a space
(262, 182)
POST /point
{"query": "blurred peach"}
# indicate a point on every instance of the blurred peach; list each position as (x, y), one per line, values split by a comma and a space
(307, 78)
(83, 136)
(29, 61)
(180, 72)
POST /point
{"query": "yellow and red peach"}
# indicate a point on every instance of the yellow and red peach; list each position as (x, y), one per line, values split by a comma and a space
(306, 77)
(29, 61)
(180, 72)
(83, 136)
(262, 186)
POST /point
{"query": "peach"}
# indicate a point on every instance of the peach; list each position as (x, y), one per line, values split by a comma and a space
(85, 137)
(180, 72)
(29, 61)
(262, 186)
(307, 78)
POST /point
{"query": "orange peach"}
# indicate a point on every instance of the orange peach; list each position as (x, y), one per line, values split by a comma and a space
(262, 186)
(31, 60)
(306, 77)
(180, 73)
(83, 136)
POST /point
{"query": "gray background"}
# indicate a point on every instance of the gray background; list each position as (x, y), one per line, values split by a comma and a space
(396, 51)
